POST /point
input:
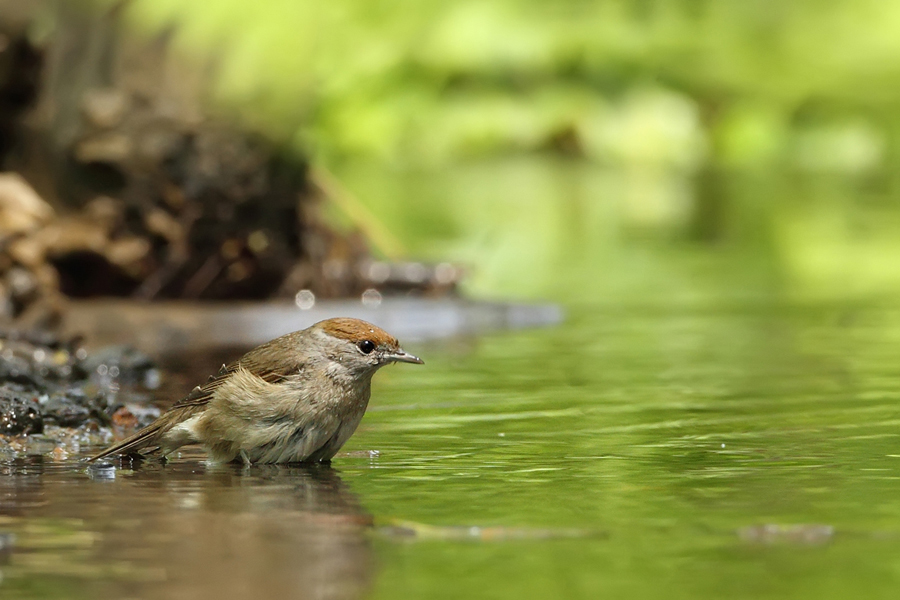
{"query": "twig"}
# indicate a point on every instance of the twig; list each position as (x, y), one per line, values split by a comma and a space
(376, 231)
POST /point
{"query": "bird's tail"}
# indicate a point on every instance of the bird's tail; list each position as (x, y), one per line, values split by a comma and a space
(143, 438)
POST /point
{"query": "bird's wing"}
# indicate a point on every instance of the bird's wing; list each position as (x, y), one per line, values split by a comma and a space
(256, 361)
(265, 361)
(202, 394)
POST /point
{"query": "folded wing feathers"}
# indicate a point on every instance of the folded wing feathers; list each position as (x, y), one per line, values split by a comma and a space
(198, 397)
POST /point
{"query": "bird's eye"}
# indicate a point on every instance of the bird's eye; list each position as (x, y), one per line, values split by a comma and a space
(366, 346)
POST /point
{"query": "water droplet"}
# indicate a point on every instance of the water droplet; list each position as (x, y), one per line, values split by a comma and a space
(305, 299)
(371, 297)
(102, 471)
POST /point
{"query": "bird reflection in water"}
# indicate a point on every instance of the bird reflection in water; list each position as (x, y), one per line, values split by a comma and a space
(197, 531)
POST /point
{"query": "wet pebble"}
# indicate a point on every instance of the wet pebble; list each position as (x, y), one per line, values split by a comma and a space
(134, 416)
(55, 387)
(19, 413)
(73, 407)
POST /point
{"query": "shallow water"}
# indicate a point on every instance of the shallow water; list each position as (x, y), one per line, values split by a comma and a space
(679, 449)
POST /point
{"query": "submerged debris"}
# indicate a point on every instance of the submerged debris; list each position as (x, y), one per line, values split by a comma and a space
(421, 531)
(773, 533)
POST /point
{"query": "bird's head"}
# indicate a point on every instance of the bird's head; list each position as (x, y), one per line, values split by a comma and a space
(360, 346)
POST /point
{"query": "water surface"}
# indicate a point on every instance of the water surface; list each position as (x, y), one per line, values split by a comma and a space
(679, 449)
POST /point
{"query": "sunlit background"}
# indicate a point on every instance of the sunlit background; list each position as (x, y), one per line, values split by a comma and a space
(575, 150)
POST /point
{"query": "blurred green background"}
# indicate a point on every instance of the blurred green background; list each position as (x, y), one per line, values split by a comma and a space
(580, 149)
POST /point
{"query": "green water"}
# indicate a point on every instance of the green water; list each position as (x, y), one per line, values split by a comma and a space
(669, 429)
(633, 452)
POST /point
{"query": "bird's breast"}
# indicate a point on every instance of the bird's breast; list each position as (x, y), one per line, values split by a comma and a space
(287, 421)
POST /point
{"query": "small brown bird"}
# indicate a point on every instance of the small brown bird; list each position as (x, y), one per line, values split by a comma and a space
(297, 398)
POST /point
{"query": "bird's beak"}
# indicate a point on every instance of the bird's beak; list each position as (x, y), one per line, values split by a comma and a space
(402, 356)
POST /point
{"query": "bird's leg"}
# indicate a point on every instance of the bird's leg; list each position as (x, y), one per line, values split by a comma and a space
(245, 458)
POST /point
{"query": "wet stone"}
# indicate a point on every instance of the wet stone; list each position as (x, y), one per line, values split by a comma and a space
(19, 414)
(134, 416)
(72, 407)
(54, 396)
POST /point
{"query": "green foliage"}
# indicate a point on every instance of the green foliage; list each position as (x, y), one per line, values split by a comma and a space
(432, 82)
